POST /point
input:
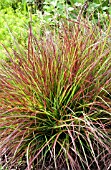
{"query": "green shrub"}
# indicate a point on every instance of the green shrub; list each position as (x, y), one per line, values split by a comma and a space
(55, 101)
(14, 28)
(15, 4)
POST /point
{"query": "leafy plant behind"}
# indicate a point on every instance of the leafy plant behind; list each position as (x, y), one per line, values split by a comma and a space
(55, 101)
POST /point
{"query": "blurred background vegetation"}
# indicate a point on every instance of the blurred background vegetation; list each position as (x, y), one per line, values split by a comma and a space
(15, 16)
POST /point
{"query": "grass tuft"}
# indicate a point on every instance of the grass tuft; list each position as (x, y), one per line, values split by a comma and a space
(55, 101)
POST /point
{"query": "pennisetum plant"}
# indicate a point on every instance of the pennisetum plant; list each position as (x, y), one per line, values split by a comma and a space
(55, 101)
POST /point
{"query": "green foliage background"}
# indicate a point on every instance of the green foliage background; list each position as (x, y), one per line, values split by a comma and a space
(15, 18)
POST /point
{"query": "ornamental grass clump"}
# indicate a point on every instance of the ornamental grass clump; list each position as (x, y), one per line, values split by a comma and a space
(55, 101)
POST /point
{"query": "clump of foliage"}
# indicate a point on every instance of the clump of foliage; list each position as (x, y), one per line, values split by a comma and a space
(55, 101)
(13, 4)
(14, 27)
